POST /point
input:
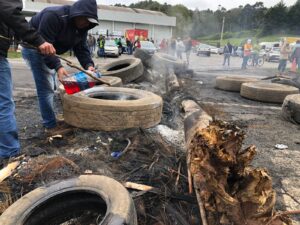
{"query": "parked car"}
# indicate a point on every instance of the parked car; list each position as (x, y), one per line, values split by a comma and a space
(267, 47)
(239, 52)
(221, 50)
(203, 49)
(111, 49)
(273, 54)
(215, 50)
(148, 46)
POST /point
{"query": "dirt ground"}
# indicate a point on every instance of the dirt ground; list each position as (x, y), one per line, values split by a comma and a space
(157, 152)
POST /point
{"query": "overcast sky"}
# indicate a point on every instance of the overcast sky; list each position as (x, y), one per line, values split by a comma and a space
(205, 4)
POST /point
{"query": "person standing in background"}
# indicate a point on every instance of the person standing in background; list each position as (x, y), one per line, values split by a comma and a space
(129, 46)
(172, 50)
(11, 18)
(163, 45)
(227, 53)
(188, 49)
(247, 52)
(137, 43)
(296, 54)
(101, 46)
(91, 42)
(284, 56)
(179, 48)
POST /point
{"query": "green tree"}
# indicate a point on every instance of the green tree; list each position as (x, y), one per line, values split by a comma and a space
(294, 18)
(183, 20)
(275, 20)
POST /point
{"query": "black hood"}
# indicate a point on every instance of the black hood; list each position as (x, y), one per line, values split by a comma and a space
(86, 8)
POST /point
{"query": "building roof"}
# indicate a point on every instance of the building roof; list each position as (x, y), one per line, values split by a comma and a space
(105, 7)
(108, 13)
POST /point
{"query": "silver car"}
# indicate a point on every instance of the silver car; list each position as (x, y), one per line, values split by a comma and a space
(148, 46)
(273, 54)
(111, 49)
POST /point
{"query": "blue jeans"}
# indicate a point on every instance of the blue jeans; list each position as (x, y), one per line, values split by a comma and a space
(282, 65)
(9, 142)
(129, 50)
(226, 58)
(245, 60)
(101, 52)
(45, 84)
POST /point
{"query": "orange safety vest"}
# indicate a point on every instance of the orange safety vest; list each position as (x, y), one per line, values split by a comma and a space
(247, 49)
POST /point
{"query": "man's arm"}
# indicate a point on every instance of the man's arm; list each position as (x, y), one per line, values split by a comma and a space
(83, 54)
(11, 15)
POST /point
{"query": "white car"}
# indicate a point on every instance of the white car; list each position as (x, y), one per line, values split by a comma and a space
(273, 54)
(214, 49)
(203, 49)
(111, 49)
(239, 52)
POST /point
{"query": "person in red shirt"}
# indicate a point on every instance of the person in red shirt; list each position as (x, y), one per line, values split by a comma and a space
(137, 43)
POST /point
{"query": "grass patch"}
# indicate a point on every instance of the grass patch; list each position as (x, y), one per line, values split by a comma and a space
(14, 55)
(238, 38)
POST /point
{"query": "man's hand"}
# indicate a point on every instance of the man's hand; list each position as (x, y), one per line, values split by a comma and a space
(47, 49)
(61, 73)
(91, 68)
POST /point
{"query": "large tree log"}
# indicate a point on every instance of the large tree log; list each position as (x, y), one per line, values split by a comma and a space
(229, 190)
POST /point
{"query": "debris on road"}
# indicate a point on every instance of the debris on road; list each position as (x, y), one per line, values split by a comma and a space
(118, 154)
(281, 146)
(8, 170)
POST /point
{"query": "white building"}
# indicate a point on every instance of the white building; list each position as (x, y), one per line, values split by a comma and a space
(116, 20)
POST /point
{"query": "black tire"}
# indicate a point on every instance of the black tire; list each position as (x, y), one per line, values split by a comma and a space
(57, 203)
(144, 56)
(127, 69)
(112, 109)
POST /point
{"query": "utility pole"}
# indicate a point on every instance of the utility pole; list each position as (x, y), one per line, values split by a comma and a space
(221, 39)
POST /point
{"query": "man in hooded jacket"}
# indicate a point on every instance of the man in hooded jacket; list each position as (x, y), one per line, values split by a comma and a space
(11, 19)
(66, 27)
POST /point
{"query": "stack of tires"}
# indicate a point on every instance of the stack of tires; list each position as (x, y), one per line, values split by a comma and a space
(253, 88)
(113, 108)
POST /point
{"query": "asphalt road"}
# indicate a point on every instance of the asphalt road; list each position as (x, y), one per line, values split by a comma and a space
(23, 79)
